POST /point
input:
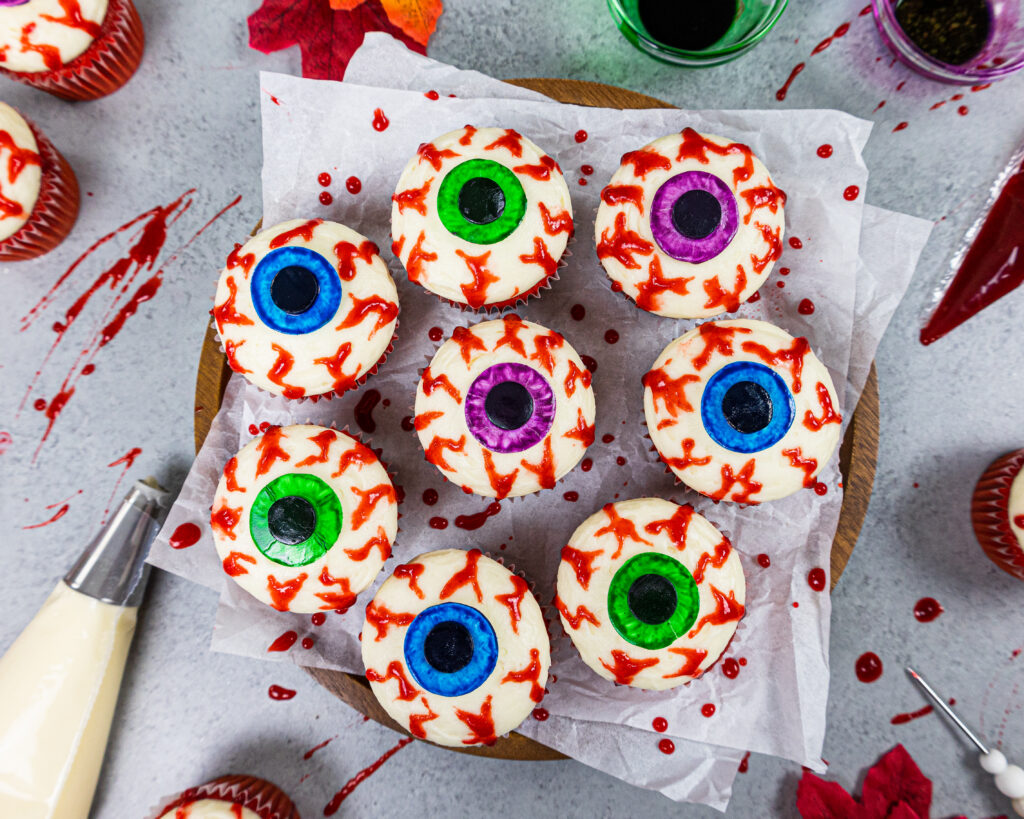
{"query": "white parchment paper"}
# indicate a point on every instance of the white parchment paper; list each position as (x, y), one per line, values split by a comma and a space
(776, 704)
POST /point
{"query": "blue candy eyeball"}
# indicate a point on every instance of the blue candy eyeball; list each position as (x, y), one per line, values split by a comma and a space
(295, 290)
(747, 407)
(450, 649)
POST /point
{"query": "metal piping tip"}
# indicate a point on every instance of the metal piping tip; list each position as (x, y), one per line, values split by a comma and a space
(944, 707)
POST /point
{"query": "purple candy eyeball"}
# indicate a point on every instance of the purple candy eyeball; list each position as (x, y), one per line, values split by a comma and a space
(694, 216)
(509, 407)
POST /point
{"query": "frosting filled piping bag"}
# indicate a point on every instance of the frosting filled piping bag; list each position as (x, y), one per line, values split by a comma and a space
(60, 678)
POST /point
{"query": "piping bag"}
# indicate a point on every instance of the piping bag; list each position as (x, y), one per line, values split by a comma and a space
(60, 678)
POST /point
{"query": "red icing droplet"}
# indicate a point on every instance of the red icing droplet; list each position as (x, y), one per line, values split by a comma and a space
(764, 561)
(660, 724)
(825, 151)
(430, 496)
(707, 709)
(816, 579)
(730, 668)
(667, 746)
(586, 464)
(435, 334)
(380, 121)
(324, 179)
(868, 667)
(927, 609)
(39, 404)
(439, 523)
(432, 95)
(284, 642)
(607, 438)
(620, 461)
(571, 496)
(353, 185)
(408, 424)
(795, 243)
(581, 135)
(582, 181)
(586, 170)
(806, 307)
(744, 763)
(540, 714)
(900, 127)
(88, 369)
(963, 110)
(326, 198)
(578, 311)
(611, 336)
(276, 692)
(318, 619)
(851, 193)
(820, 488)
(186, 535)
(589, 362)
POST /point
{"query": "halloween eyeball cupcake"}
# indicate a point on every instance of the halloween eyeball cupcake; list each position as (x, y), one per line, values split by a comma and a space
(690, 225)
(997, 512)
(38, 190)
(76, 49)
(306, 308)
(649, 592)
(742, 411)
(481, 217)
(231, 797)
(304, 518)
(505, 408)
(456, 648)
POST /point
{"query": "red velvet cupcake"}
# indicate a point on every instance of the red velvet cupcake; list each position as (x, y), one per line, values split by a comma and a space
(231, 797)
(997, 512)
(75, 49)
(38, 190)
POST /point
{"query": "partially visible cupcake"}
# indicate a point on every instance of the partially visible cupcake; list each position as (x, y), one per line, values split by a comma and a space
(742, 411)
(505, 408)
(997, 512)
(76, 49)
(231, 797)
(38, 190)
(456, 648)
(481, 217)
(306, 308)
(304, 517)
(690, 225)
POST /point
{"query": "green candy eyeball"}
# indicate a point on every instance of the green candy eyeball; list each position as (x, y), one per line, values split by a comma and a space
(652, 600)
(481, 201)
(295, 519)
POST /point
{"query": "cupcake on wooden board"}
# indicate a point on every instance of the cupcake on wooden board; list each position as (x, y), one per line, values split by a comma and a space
(997, 512)
(38, 190)
(76, 49)
(742, 411)
(481, 217)
(650, 593)
(231, 797)
(505, 408)
(304, 518)
(306, 309)
(456, 648)
(690, 225)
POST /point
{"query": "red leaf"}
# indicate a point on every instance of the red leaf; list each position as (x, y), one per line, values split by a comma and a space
(896, 778)
(326, 37)
(903, 811)
(817, 798)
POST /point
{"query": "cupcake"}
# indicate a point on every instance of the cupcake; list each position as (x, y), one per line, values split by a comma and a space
(481, 217)
(690, 226)
(304, 518)
(38, 190)
(505, 408)
(456, 648)
(740, 410)
(231, 797)
(306, 308)
(649, 592)
(997, 512)
(76, 49)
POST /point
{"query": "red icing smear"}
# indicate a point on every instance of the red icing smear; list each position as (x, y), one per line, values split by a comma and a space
(902, 719)
(475, 521)
(744, 763)
(868, 667)
(927, 609)
(900, 126)
(284, 642)
(332, 807)
(816, 579)
(380, 121)
(840, 31)
(150, 230)
(127, 460)
(364, 410)
(277, 692)
(666, 746)
(992, 267)
(315, 748)
(185, 535)
(61, 512)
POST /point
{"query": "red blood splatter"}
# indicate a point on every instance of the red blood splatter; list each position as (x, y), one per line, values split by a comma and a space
(435, 334)
(730, 668)
(806, 307)
(780, 95)
(284, 642)
(900, 127)
(318, 619)
(868, 667)
(963, 110)
(439, 523)
(927, 609)
(587, 169)
(475, 521)
(586, 464)
(332, 807)
(277, 692)
(611, 336)
(315, 748)
(580, 136)
(380, 120)
(666, 746)
(432, 95)
(572, 496)
(540, 714)
(744, 763)
(707, 709)
(825, 151)
(902, 719)
(764, 561)
(185, 535)
(353, 185)
(851, 193)
(660, 724)
(363, 411)
(816, 579)
(324, 179)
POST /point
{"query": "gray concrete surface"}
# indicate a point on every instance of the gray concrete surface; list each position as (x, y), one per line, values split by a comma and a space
(190, 118)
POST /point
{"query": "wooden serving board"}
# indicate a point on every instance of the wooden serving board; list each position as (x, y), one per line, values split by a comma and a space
(858, 453)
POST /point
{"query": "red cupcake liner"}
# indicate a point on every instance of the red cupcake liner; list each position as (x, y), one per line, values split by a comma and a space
(54, 212)
(263, 798)
(106, 65)
(990, 514)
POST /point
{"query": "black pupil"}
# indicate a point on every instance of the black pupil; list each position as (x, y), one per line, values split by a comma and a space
(448, 647)
(692, 25)
(747, 407)
(509, 405)
(481, 200)
(652, 599)
(294, 289)
(291, 519)
(696, 214)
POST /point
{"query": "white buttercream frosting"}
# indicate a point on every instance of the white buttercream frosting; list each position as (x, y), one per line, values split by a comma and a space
(677, 429)
(443, 262)
(335, 355)
(30, 29)
(632, 257)
(20, 171)
(507, 695)
(369, 517)
(210, 809)
(603, 544)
